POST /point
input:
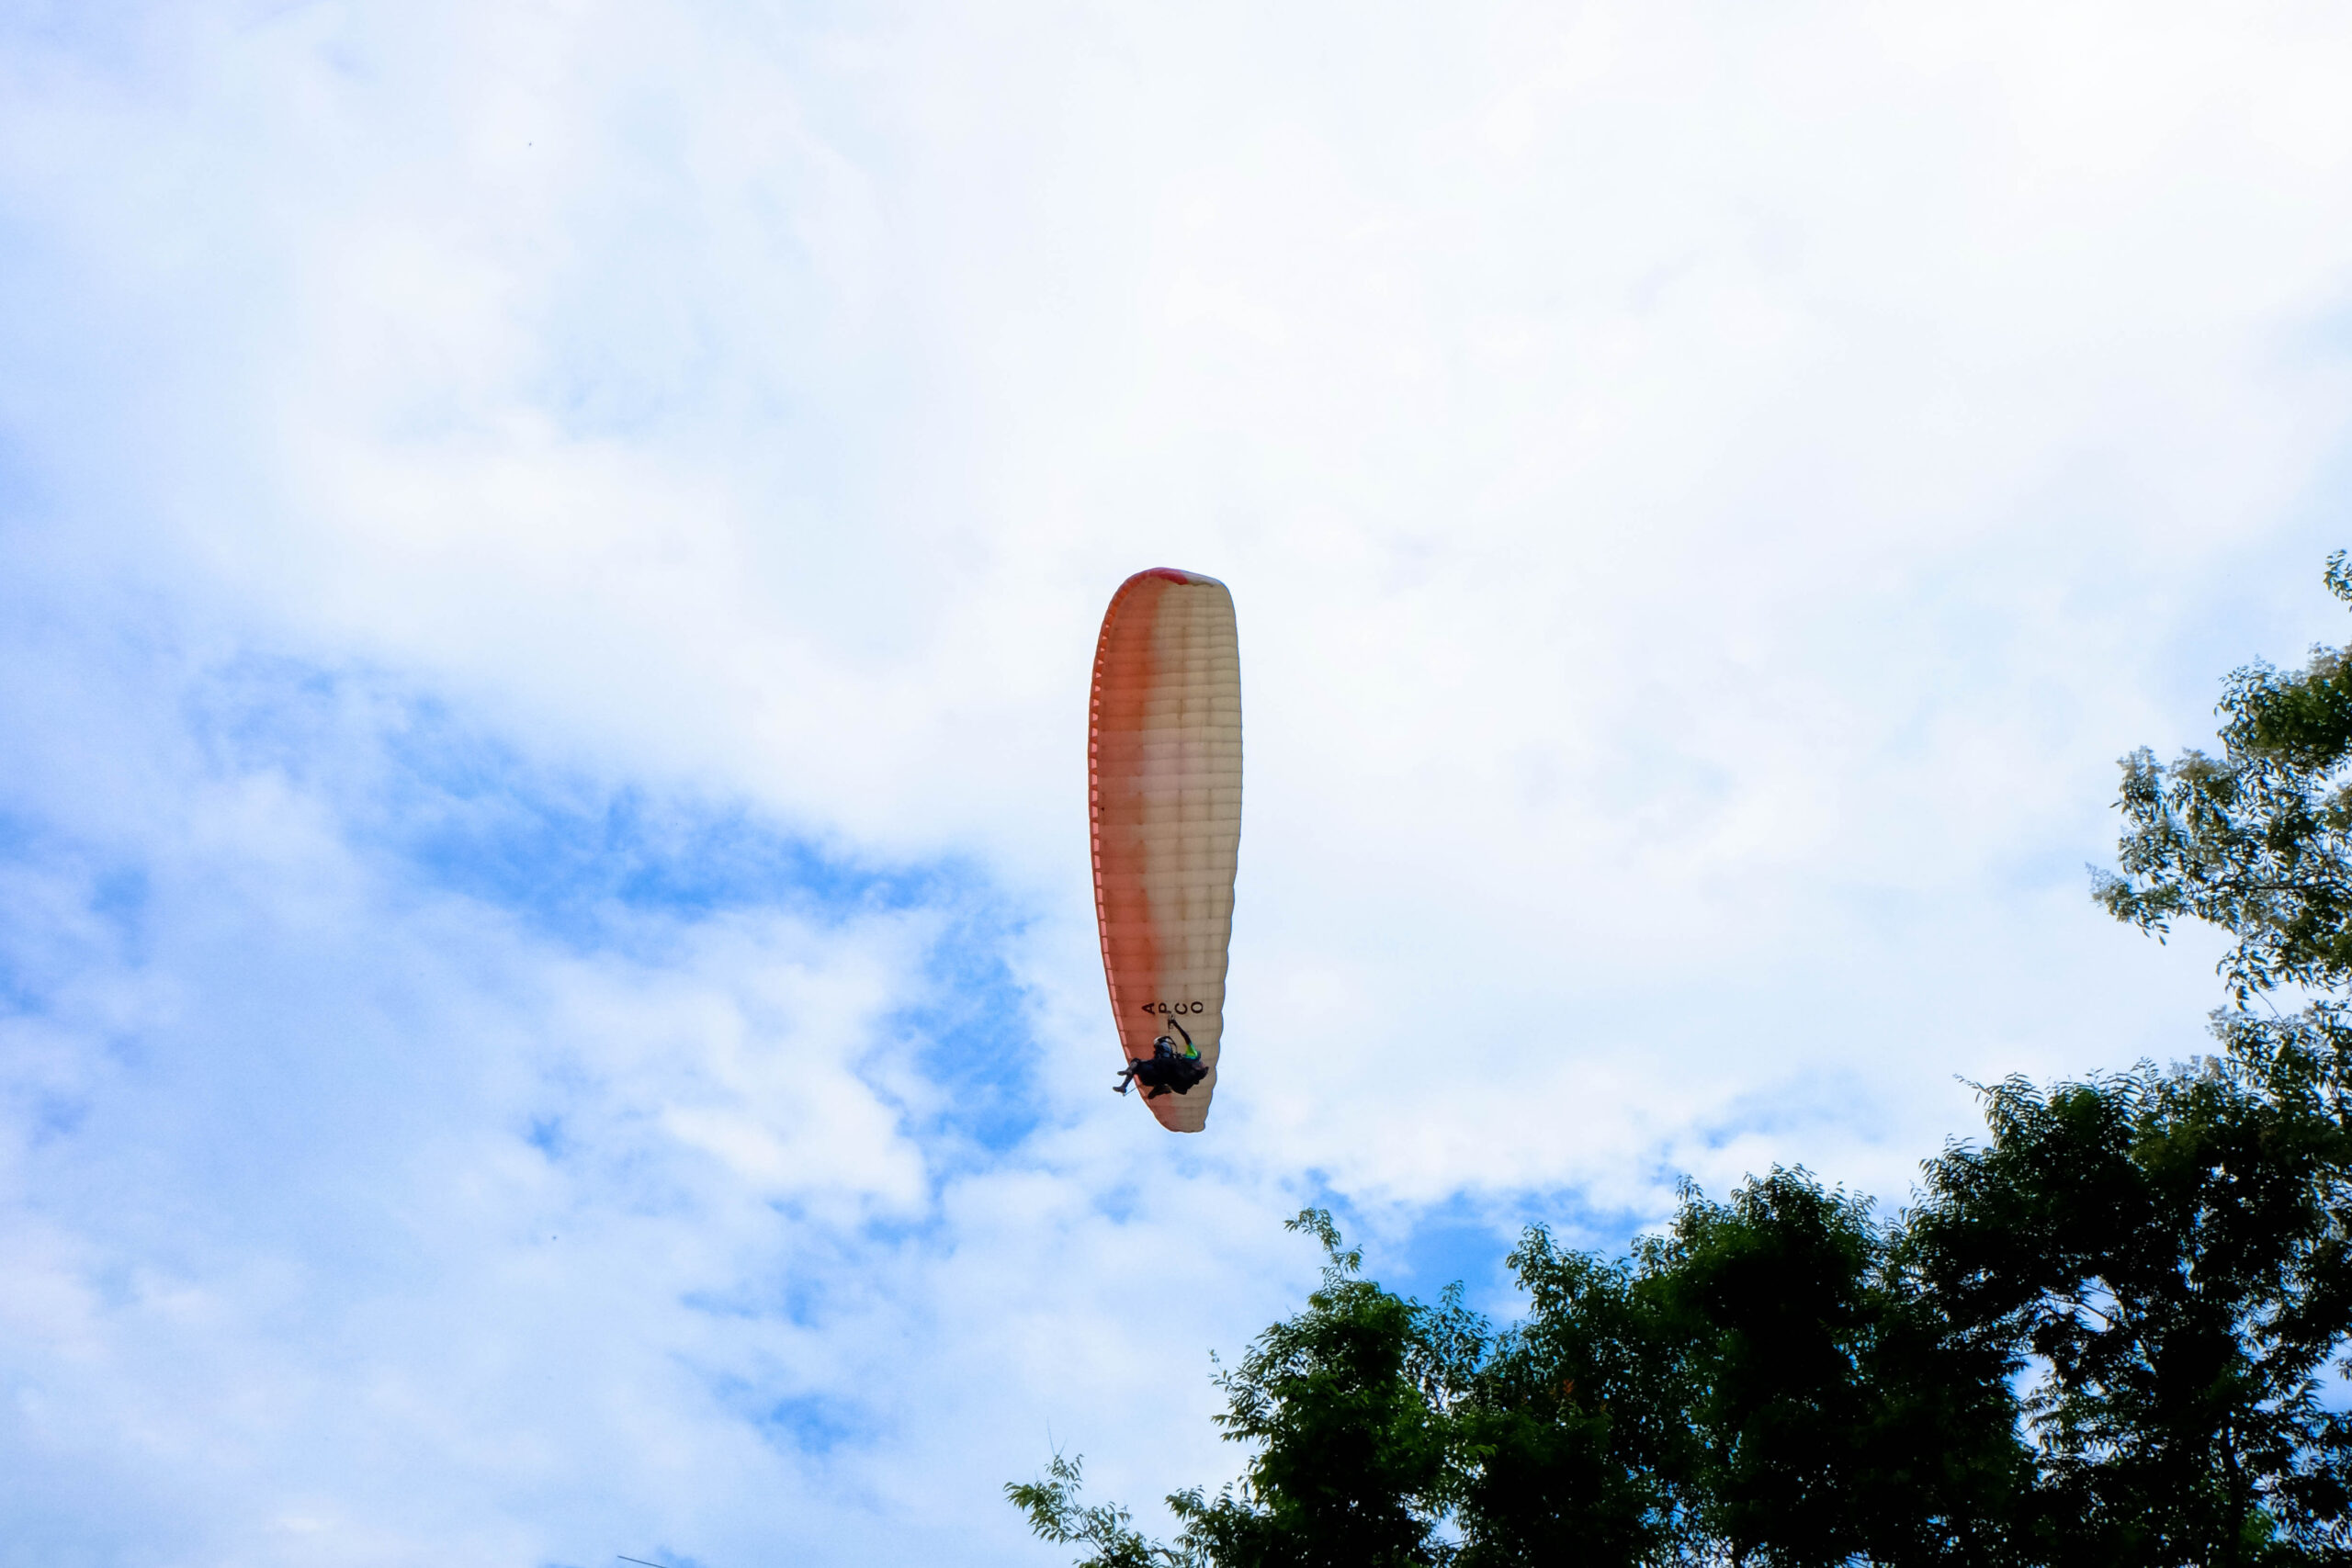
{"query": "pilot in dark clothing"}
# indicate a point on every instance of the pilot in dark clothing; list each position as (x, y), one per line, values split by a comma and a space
(1167, 1069)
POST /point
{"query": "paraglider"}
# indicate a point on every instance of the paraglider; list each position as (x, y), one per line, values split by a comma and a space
(1164, 772)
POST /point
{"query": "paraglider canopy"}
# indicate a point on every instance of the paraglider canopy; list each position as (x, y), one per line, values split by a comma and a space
(1164, 770)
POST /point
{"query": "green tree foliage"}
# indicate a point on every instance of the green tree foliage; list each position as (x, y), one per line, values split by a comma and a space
(2163, 1255)
(1571, 1442)
(1056, 1515)
(1757, 1384)
(2254, 840)
(2107, 1336)
(1348, 1405)
(2100, 1337)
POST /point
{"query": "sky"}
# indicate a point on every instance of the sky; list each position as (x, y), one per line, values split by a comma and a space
(550, 557)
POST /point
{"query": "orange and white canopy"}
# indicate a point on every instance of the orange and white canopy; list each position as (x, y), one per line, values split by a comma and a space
(1164, 761)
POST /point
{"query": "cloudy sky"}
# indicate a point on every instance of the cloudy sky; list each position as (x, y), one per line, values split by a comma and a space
(550, 553)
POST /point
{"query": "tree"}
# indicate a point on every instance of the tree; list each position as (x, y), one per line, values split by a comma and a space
(1056, 1515)
(2163, 1255)
(1754, 1386)
(2098, 1340)
(1842, 1421)
(1348, 1404)
(1571, 1443)
(2258, 840)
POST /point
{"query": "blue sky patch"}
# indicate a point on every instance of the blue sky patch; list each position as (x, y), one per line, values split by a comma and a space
(579, 858)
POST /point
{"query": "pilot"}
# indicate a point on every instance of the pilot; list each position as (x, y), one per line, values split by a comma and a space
(1166, 1069)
